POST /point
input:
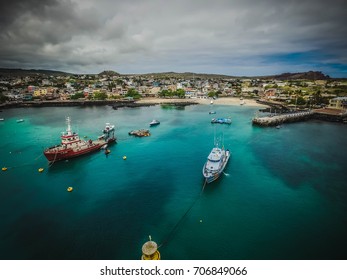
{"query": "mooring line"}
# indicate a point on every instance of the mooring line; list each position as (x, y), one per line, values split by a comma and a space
(171, 233)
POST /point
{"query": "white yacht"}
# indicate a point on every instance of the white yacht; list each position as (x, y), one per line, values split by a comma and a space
(215, 164)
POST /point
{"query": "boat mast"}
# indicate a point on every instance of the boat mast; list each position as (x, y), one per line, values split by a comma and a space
(68, 129)
(215, 143)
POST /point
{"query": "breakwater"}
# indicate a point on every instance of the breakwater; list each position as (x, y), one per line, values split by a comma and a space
(283, 118)
(325, 114)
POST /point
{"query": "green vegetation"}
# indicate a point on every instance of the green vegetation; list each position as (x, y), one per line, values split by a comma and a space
(180, 93)
(3, 98)
(77, 96)
(98, 95)
(340, 90)
(212, 94)
(133, 93)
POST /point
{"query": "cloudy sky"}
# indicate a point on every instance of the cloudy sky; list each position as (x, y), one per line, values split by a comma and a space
(233, 37)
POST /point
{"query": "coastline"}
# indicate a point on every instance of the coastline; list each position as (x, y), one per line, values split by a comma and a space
(233, 101)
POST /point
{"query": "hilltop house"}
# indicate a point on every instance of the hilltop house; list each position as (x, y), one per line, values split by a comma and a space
(338, 103)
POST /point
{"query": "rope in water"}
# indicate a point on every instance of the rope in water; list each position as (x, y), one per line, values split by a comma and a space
(51, 163)
(172, 232)
(24, 164)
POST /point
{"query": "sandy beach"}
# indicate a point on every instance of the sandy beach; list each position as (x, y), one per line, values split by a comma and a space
(220, 101)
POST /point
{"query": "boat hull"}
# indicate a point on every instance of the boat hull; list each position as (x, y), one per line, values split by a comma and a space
(58, 153)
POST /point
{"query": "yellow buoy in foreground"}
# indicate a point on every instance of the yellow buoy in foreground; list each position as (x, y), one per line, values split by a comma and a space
(41, 170)
(4, 169)
(70, 189)
(150, 251)
(124, 157)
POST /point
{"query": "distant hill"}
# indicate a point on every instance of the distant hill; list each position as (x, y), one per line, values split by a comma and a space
(31, 72)
(310, 75)
(186, 75)
(109, 73)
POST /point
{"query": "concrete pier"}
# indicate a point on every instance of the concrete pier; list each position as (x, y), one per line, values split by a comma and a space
(283, 118)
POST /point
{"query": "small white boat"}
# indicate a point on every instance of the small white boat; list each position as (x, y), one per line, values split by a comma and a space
(2, 119)
(20, 120)
(154, 122)
(212, 112)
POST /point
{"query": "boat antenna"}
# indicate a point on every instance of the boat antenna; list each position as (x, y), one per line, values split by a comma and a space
(214, 137)
(223, 140)
(68, 122)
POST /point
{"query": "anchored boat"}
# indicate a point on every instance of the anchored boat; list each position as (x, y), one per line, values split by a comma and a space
(140, 133)
(154, 122)
(72, 146)
(215, 164)
(221, 120)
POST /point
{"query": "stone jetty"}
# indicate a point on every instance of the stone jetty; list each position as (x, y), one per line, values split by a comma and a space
(282, 118)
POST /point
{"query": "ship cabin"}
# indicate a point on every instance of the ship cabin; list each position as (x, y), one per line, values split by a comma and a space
(67, 138)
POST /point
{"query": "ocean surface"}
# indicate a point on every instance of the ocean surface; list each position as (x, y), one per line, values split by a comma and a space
(283, 194)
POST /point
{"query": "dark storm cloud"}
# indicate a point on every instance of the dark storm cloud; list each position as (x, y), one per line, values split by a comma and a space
(233, 37)
(40, 22)
(10, 10)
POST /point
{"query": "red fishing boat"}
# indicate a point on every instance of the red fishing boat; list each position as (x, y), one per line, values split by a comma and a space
(72, 146)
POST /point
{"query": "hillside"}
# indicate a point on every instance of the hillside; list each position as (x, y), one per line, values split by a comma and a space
(31, 72)
(310, 75)
(186, 75)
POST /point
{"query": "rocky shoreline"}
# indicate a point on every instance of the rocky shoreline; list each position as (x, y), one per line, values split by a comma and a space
(114, 103)
(147, 104)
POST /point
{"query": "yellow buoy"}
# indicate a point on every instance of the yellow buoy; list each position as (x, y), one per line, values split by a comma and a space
(70, 189)
(41, 169)
(149, 251)
(124, 157)
(4, 168)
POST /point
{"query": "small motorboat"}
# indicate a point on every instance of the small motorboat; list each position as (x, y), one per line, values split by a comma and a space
(212, 112)
(20, 120)
(221, 120)
(154, 122)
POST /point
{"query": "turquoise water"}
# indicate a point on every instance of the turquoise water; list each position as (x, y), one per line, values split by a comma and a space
(283, 194)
